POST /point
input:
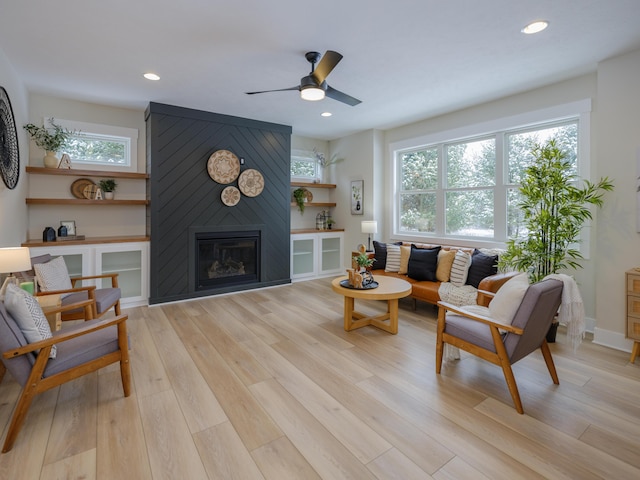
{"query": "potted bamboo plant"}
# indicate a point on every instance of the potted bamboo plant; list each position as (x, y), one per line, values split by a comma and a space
(555, 208)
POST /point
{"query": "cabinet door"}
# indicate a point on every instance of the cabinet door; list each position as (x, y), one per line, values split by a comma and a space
(303, 256)
(130, 262)
(79, 260)
(330, 251)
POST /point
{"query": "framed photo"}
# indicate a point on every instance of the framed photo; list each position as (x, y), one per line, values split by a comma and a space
(71, 226)
(357, 194)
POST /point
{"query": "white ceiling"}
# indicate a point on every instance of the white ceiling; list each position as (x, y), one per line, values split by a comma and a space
(405, 59)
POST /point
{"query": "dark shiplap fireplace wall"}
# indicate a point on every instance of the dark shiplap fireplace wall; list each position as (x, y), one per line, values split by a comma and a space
(184, 199)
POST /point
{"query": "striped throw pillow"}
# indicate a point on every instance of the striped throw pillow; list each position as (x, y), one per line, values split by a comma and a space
(460, 268)
(393, 258)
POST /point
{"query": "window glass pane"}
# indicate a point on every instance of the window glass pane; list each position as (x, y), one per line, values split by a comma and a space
(303, 167)
(418, 212)
(98, 149)
(519, 147)
(419, 170)
(515, 216)
(469, 213)
(471, 164)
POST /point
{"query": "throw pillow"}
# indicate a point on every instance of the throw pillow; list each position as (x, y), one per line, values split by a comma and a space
(53, 275)
(27, 313)
(508, 298)
(460, 268)
(393, 258)
(423, 263)
(405, 253)
(380, 254)
(445, 261)
(482, 266)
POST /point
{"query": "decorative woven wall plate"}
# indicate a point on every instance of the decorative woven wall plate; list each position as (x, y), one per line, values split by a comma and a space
(223, 166)
(9, 152)
(230, 196)
(77, 187)
(251, 182)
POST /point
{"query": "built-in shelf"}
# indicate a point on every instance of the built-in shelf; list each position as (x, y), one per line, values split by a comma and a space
(313, 185)
(85, 173)
(298, 231)
(88, 241)
(82, 201)
(315, 204)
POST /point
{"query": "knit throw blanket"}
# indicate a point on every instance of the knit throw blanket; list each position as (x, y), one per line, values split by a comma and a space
(571, 311)
(458, 296)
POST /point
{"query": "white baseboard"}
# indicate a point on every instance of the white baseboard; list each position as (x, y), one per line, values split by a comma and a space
(610, 339)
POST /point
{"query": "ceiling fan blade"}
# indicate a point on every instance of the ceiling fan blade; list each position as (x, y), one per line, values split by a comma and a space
(297, 87)
(341, 97)
(327, 63)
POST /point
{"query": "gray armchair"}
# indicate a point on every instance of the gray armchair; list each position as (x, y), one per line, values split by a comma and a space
(500, 344)
(81, 349)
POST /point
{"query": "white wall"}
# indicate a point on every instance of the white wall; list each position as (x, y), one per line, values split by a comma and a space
(617, 146)
(90, 220)
(13, 210)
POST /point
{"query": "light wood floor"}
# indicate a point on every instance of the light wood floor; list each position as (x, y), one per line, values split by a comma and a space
(266, 384)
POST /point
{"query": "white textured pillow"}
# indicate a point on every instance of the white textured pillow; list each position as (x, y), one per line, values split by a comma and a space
(460, 268)
(27, 313)
(508, 298)
(393, 258)
(53, 275)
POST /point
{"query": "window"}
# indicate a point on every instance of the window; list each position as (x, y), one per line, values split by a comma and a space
(102, 147)
(303, 165)
(468, 188)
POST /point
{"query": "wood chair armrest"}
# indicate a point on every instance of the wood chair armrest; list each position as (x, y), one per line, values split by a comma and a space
(72, 306)
(112, 276)
(66, 334)
(480, 318)
(484, 297)
(88, 289)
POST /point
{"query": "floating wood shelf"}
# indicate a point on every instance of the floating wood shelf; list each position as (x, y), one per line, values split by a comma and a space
(86, 173)
(79, 201)
(313, 185)
(299, 231)
(316, 204)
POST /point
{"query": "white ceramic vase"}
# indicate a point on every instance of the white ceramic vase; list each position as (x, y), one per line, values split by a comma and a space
(50, 160)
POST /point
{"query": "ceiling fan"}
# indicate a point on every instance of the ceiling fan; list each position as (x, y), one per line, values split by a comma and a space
(314, 86)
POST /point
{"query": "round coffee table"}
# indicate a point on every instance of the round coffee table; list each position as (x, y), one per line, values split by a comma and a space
(389, 288)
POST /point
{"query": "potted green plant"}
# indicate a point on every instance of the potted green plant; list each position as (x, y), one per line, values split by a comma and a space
(51, 140)
(108, 186)
(363, 260)
(330, 223)
(299, 195)
(555, 208)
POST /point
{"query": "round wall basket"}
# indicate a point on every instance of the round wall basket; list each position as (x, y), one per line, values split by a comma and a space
(230, 196)
(251, 182)
(223, 166)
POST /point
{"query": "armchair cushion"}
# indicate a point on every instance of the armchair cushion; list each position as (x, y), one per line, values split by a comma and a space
(104, 297)
(507, 300)
(27, 313)
(53, 275)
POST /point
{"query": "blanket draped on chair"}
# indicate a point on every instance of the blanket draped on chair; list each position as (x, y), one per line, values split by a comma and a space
(571, 311)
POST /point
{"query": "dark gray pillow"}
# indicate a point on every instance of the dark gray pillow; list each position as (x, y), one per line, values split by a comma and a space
(482, 266)
(423, 263)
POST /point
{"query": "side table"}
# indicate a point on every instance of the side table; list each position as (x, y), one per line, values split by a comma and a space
(49, 302)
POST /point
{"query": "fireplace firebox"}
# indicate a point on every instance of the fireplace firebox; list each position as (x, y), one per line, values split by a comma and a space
(227, 258)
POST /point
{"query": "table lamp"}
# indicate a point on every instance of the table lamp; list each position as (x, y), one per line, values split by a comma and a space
(13, 259)
(369, 227)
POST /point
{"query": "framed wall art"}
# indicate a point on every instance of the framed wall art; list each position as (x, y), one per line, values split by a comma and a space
(71, 226)
(357, 194)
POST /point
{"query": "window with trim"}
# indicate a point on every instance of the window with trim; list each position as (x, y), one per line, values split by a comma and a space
(303, 165)
(468, 188)
(101, 146)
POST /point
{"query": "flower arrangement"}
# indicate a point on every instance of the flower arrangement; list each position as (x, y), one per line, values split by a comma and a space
(321, 158)
(49, 139)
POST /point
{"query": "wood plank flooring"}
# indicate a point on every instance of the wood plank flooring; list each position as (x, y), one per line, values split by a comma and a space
(267, 385)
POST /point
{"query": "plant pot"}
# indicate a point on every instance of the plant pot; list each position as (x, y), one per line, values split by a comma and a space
(108, 195)
(50, 160)
(551, 334)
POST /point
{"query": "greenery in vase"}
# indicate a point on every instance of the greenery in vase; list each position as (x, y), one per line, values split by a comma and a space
(108, 185)
(49, 139)
(363, 260)
(299, 195)
(555, 210)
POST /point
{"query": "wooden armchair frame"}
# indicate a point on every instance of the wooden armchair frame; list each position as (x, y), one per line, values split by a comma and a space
(36, 383)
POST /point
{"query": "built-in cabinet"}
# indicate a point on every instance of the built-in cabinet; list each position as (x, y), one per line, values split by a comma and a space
(316, 254)
(129, 259)
(633, 310)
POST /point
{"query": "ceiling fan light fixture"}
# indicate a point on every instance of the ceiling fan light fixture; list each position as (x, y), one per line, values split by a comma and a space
(311, 93)
(535, 27)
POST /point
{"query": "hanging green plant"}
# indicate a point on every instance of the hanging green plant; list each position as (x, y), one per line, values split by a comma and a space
(299, 194)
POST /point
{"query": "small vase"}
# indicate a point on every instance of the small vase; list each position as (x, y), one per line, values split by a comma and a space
(108, 195)
(50, 160)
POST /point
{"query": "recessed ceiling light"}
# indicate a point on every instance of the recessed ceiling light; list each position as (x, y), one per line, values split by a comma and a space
(151, 76)
(535, 27)
(326, 114)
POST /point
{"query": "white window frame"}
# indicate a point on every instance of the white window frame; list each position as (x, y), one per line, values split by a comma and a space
(580, 110)
(307, 156)
(130, 135)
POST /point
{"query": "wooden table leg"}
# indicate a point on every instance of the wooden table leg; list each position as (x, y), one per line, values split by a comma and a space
(348, 313)
(635, 351)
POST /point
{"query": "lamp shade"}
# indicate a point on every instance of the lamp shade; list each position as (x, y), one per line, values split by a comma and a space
(369, 226)
(14, 259)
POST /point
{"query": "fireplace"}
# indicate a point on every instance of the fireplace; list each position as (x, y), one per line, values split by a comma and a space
(226, 258)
